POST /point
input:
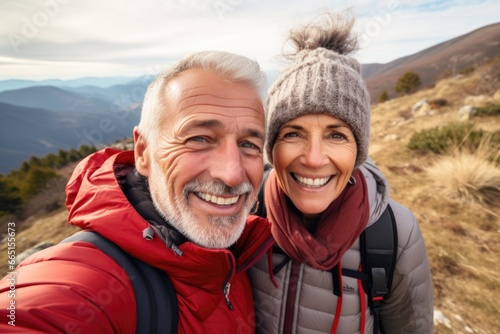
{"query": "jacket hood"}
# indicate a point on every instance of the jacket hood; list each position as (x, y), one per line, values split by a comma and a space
(96, 201)
(378, 189)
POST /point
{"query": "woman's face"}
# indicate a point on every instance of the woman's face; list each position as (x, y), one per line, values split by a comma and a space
(314, 156)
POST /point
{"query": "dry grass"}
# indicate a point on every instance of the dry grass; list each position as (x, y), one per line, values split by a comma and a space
(455, 199)
(467, 178)
(462, 237)
(52, 227)
(469, 175)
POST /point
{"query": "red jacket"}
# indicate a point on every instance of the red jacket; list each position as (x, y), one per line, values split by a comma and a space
(75, 288)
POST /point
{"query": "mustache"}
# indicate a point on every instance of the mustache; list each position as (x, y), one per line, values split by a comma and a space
(216, 187)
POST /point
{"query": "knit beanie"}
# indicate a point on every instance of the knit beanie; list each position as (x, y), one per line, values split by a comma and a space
(321, 80)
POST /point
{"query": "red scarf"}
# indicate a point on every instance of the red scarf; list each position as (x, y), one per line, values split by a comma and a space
(338, 227)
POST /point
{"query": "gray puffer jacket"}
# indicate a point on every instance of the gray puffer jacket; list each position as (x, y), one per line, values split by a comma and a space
(309, 306)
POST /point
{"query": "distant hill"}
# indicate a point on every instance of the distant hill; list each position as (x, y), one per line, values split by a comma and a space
(42, 119)
(26, 131)
(471, 49)
(54, 98)
(103, 82)
(130, 92)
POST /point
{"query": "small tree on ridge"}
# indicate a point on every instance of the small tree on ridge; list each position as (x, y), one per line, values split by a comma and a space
(408, 83)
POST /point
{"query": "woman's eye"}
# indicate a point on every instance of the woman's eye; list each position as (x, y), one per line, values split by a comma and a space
(290, 135)
(338, 135)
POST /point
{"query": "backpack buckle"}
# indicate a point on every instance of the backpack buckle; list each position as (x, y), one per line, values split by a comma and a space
(379, 287)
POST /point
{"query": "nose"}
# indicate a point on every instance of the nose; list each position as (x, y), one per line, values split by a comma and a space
(228, 165)
(314, 157)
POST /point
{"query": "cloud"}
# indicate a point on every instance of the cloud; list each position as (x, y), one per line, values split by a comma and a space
(410, 29)
(106, 37)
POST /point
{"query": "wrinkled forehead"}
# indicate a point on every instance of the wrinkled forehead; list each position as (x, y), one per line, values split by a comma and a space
(228, 97)
(197, 88)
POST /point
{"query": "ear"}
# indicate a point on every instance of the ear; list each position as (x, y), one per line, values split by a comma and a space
(141, 153)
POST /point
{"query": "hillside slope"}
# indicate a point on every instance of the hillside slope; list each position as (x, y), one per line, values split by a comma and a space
(469, 50)
(462, 238)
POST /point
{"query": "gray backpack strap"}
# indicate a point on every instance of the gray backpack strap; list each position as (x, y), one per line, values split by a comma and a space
(156, 301)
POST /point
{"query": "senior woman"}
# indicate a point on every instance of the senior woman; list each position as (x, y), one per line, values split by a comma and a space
(322, 193)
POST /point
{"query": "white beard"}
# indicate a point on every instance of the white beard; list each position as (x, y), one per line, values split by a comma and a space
(221, 231)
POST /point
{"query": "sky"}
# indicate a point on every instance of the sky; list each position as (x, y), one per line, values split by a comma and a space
(68, 39)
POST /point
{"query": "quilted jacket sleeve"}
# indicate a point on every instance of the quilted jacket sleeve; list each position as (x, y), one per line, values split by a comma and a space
(410, 305)
(68, 288)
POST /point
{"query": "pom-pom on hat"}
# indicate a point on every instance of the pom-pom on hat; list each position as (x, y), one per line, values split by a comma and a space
(323, 78)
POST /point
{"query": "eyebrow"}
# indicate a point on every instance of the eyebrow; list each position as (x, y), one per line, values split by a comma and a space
(212, 123)
(331, 126)
(255, 134)
(335, 126)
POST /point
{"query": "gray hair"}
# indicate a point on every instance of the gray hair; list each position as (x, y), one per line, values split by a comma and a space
(227, 65)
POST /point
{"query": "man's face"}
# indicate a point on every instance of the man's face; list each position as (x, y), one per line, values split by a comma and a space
(206, 167)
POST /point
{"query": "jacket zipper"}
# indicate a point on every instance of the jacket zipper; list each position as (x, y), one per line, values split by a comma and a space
(226, 287)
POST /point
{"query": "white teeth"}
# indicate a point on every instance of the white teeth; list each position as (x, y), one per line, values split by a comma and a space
(218, 200)
(312, 182)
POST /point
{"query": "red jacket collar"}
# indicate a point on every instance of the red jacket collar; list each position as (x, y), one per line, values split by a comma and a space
(95, 201)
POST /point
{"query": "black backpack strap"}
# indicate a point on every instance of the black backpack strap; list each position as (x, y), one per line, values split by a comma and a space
(336, 285)
(379, 245)
(157, 310)
(261, 208)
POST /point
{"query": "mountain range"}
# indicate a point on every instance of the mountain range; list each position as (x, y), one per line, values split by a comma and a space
(39, 117)
(39, 120)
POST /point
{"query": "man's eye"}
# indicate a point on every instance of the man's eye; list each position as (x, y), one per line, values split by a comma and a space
(251, 148)
(198, 139)
(250, 145)
(198, 142)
